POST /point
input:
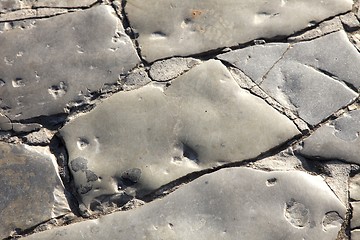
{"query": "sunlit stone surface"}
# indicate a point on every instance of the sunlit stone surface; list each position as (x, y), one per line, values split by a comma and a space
(225, 205)
(59, 60)
(134, 142)
(171, 28)
(31, 191)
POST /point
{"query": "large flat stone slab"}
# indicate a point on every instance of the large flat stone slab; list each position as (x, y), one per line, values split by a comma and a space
(338, 139)
(312, 78)
(134, 142)
(171, 28)
(31, 190)
(59, 60)
(226, 204)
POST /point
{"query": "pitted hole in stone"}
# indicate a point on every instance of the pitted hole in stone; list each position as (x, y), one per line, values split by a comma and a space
(271, 182)
(82, 143)
(332, 219)
(297, 214)
(131, 176)
(91, 176)
(190, 153)
(18, 82)
(83, 189)
(79, 164)
(2, 83)
(58, 91)
(158, 35)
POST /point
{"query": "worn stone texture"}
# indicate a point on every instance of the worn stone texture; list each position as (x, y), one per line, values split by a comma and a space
(206, 120)
(225, 205)
(59, 60)
(171, 28)
(354, 187)
(338, 139)
(31, 190)
(306, 77)
(168, 69)
(248, 59)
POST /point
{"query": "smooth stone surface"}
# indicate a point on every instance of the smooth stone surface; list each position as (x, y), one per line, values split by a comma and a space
(11, 5)
(336, 140)
(225, 205)
(179, 28)
(30, 188)
(206, 120)
(248, 59)
(355, 220)
(58, 60)
(354, 187)
(355, 234)
(308, 79)
(168, 69)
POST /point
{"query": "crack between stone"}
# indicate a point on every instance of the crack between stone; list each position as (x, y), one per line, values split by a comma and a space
(334, 77)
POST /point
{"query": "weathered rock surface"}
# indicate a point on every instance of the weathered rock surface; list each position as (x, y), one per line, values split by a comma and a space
(256, 61)
(168, 69)
(11, 5)
(225, 205)
(354, 187)
(31, 190)
(59, 60)
(171, 28)
(123, 146)
(336, 140)
(355, 220)
(306, 77)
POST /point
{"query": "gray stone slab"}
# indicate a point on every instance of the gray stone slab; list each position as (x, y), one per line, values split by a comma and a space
(355, 234)
(59, 60)
(134, 142)
(307, 91)
(354, 187)
(31, 190)
(355, 220)
(225, 205)
(11, 5)
(171, 28)
(248, 59)
(336, 140)
(333, 54)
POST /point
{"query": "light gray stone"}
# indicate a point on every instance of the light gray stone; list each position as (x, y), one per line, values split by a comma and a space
(336, 140)
(168, 69)
(31, 190)
(136, 79)
(160, 133)
(355, 234)
(171, 28)
(350, 21)
(31, 13)
(355, 220)
(309, 78)
(247, 59)
(354, 187)
(307, 91)
(56, 61)
(225, 205)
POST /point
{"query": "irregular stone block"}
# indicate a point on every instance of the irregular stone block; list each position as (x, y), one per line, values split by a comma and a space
(171, 28)
(336, 140)
(31, 13)
(134, 142)
(168, 69)
(355, 234)
(31, 190)
(225, 205)
(354, 187)
(355, 220)
(59, 60)
(248, 59)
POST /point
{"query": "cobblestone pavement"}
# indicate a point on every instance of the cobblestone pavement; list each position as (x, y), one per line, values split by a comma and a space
(166, 119)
